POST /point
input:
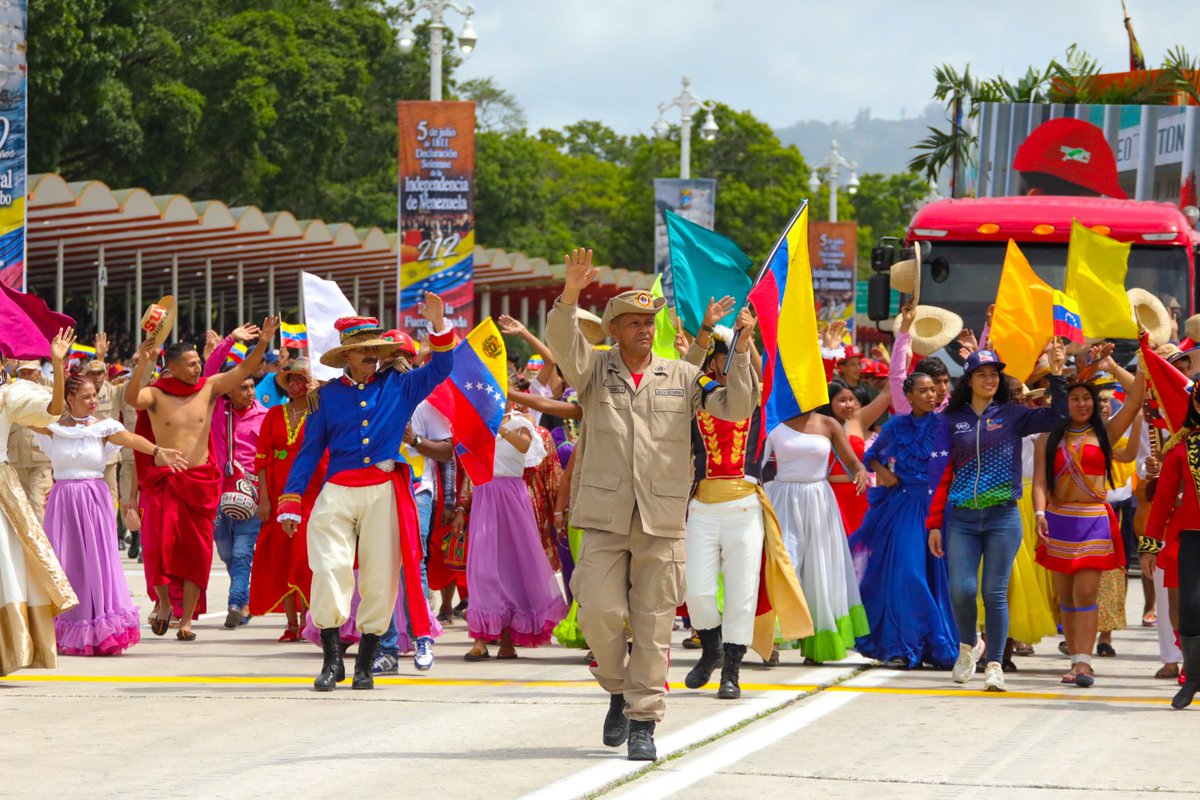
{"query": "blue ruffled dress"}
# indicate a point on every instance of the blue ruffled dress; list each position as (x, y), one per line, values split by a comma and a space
(905, 589)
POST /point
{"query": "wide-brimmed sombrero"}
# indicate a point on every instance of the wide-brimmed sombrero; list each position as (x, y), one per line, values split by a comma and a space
(357, 332)
(158, 320)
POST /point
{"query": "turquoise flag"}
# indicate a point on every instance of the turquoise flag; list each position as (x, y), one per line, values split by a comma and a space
(705, 264)
(664, 331)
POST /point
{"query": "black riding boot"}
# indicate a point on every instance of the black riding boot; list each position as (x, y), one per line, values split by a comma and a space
(731, 672)
(710, 659)
(135, 544)
(641, 741)
(364, 663)
(1190, 646)
(333, 671)
(616, 724)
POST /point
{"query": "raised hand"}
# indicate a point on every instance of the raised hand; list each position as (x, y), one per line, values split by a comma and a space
(211, 340)
(717, 310)
(1057, 356)
(434, 310)
(270, 327)
(580, 273)
(148, 352)
(967, 342)
(510, 326)
(681, 343)
(101, 345)
(745, 325)
(834, 332)
(241, 334)
(60, 347)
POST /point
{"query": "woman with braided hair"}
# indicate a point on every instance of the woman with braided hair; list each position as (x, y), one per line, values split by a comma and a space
(905, 589)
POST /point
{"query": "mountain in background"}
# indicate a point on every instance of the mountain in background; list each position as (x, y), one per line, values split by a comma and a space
(876, 145)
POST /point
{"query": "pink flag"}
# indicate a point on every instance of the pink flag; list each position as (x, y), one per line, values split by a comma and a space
(27, 325)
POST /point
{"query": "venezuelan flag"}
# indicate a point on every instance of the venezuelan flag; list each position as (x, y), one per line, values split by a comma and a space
(473, 398)
(294, 335)
(237, 354)
(793, 375)
(82, 351)
(1068, 323)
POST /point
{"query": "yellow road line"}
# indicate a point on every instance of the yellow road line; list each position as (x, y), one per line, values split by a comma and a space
(286, 680)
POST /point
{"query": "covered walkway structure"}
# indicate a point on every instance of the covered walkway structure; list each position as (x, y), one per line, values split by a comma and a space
(113, 251)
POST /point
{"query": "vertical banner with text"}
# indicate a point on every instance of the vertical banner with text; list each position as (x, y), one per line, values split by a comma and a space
(436, 219)
(833, 250)
(694, 199)
(13, 20)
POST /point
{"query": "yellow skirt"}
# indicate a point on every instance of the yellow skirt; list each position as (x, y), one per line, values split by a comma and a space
(1030, 588)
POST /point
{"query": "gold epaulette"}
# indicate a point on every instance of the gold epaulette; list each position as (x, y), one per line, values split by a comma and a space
(314, 400)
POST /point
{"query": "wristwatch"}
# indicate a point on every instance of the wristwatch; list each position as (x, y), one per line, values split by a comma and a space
(417, 439)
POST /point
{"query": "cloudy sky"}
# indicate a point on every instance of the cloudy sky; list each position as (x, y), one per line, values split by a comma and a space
(786, 60)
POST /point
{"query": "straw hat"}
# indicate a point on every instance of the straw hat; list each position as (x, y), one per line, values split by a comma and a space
(1191, 328)
(933, 328)
(1152, 314)
(158, 320)
(357, 332)
(906, 275)
(589, 323)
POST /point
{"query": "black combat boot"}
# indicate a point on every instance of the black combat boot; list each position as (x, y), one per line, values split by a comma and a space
(731, 672)
(616, 724)
(364, 663)
(641, 741)
(333, 671)
(1190, 647)
(135, 545)
(710, 659)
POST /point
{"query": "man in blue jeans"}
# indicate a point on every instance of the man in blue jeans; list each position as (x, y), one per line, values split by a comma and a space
(237, 420)
(426, 443)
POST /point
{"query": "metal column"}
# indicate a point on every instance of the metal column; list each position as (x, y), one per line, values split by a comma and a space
(175, 294)
(1147, 150)
(101, 289)
(58, 280)
(241, 293)
(208, 297)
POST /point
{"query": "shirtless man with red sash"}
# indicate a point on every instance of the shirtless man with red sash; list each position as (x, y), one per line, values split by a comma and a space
(179, 507)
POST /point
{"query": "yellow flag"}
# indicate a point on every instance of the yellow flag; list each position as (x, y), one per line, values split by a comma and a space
(1023, 320)
(1096, 267)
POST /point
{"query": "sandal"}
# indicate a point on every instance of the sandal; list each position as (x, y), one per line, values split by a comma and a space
(290, 635)
(506, 656)
(184, 635)
(159, 626)
(1105, 649)
(1167, 672)
(1023, 649)
(1084, 680)
(1149, 620)
(470, 656)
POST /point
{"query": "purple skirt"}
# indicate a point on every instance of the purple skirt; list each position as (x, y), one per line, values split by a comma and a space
(512, 584)
(82, 527)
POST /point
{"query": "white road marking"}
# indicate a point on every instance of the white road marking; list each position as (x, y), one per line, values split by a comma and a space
(723, 756)
(589, 780)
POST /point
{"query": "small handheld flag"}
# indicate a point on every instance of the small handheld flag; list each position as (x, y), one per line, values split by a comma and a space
(237, 354)
(295, 336)
(82, 351)
(1068, 323)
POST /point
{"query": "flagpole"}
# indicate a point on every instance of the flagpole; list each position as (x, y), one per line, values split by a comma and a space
(762, 270)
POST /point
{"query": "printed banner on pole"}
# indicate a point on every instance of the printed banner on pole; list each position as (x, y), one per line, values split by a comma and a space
(12, 143)
(436, 219)
(694, 199)
(833, 249)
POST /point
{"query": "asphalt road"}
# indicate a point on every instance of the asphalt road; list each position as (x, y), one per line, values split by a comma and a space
(233, 715)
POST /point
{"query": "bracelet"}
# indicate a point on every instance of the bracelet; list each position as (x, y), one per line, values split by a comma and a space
(709, 329)
(1039, 513)
(154, 455)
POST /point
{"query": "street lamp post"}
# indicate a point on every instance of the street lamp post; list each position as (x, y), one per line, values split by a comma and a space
(436, 9)
(688, 104)
(833, 165)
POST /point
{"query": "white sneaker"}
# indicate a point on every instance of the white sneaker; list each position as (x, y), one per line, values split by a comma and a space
(968, 657)
(423, 657)
(993, 677)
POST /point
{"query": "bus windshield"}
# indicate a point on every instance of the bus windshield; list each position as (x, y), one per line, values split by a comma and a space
(963, 277)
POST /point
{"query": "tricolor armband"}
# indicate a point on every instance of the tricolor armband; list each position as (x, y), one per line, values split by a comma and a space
(1148, 544)
(707, 384)
(443, 341)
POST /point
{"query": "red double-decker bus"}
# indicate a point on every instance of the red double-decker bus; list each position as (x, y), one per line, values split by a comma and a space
(963, 244)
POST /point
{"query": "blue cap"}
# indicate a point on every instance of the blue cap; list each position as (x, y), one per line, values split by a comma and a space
(271, 357)
(982, 358)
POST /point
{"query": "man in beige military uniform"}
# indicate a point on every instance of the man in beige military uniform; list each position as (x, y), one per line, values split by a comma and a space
(630, 491)
(32, 465)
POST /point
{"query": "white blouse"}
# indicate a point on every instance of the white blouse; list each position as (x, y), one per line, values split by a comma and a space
(79, 452)
(511, 462)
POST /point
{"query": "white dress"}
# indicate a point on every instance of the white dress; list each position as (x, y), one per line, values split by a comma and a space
(816, 541)
(33, 587)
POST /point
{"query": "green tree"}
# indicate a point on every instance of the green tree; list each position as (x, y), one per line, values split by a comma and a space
(495, 108)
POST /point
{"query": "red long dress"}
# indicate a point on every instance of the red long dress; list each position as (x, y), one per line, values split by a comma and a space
(280, 564)
(852, 504)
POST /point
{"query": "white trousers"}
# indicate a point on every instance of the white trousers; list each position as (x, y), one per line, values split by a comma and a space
(724, 539)
(343, 518)
(1167, 650)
